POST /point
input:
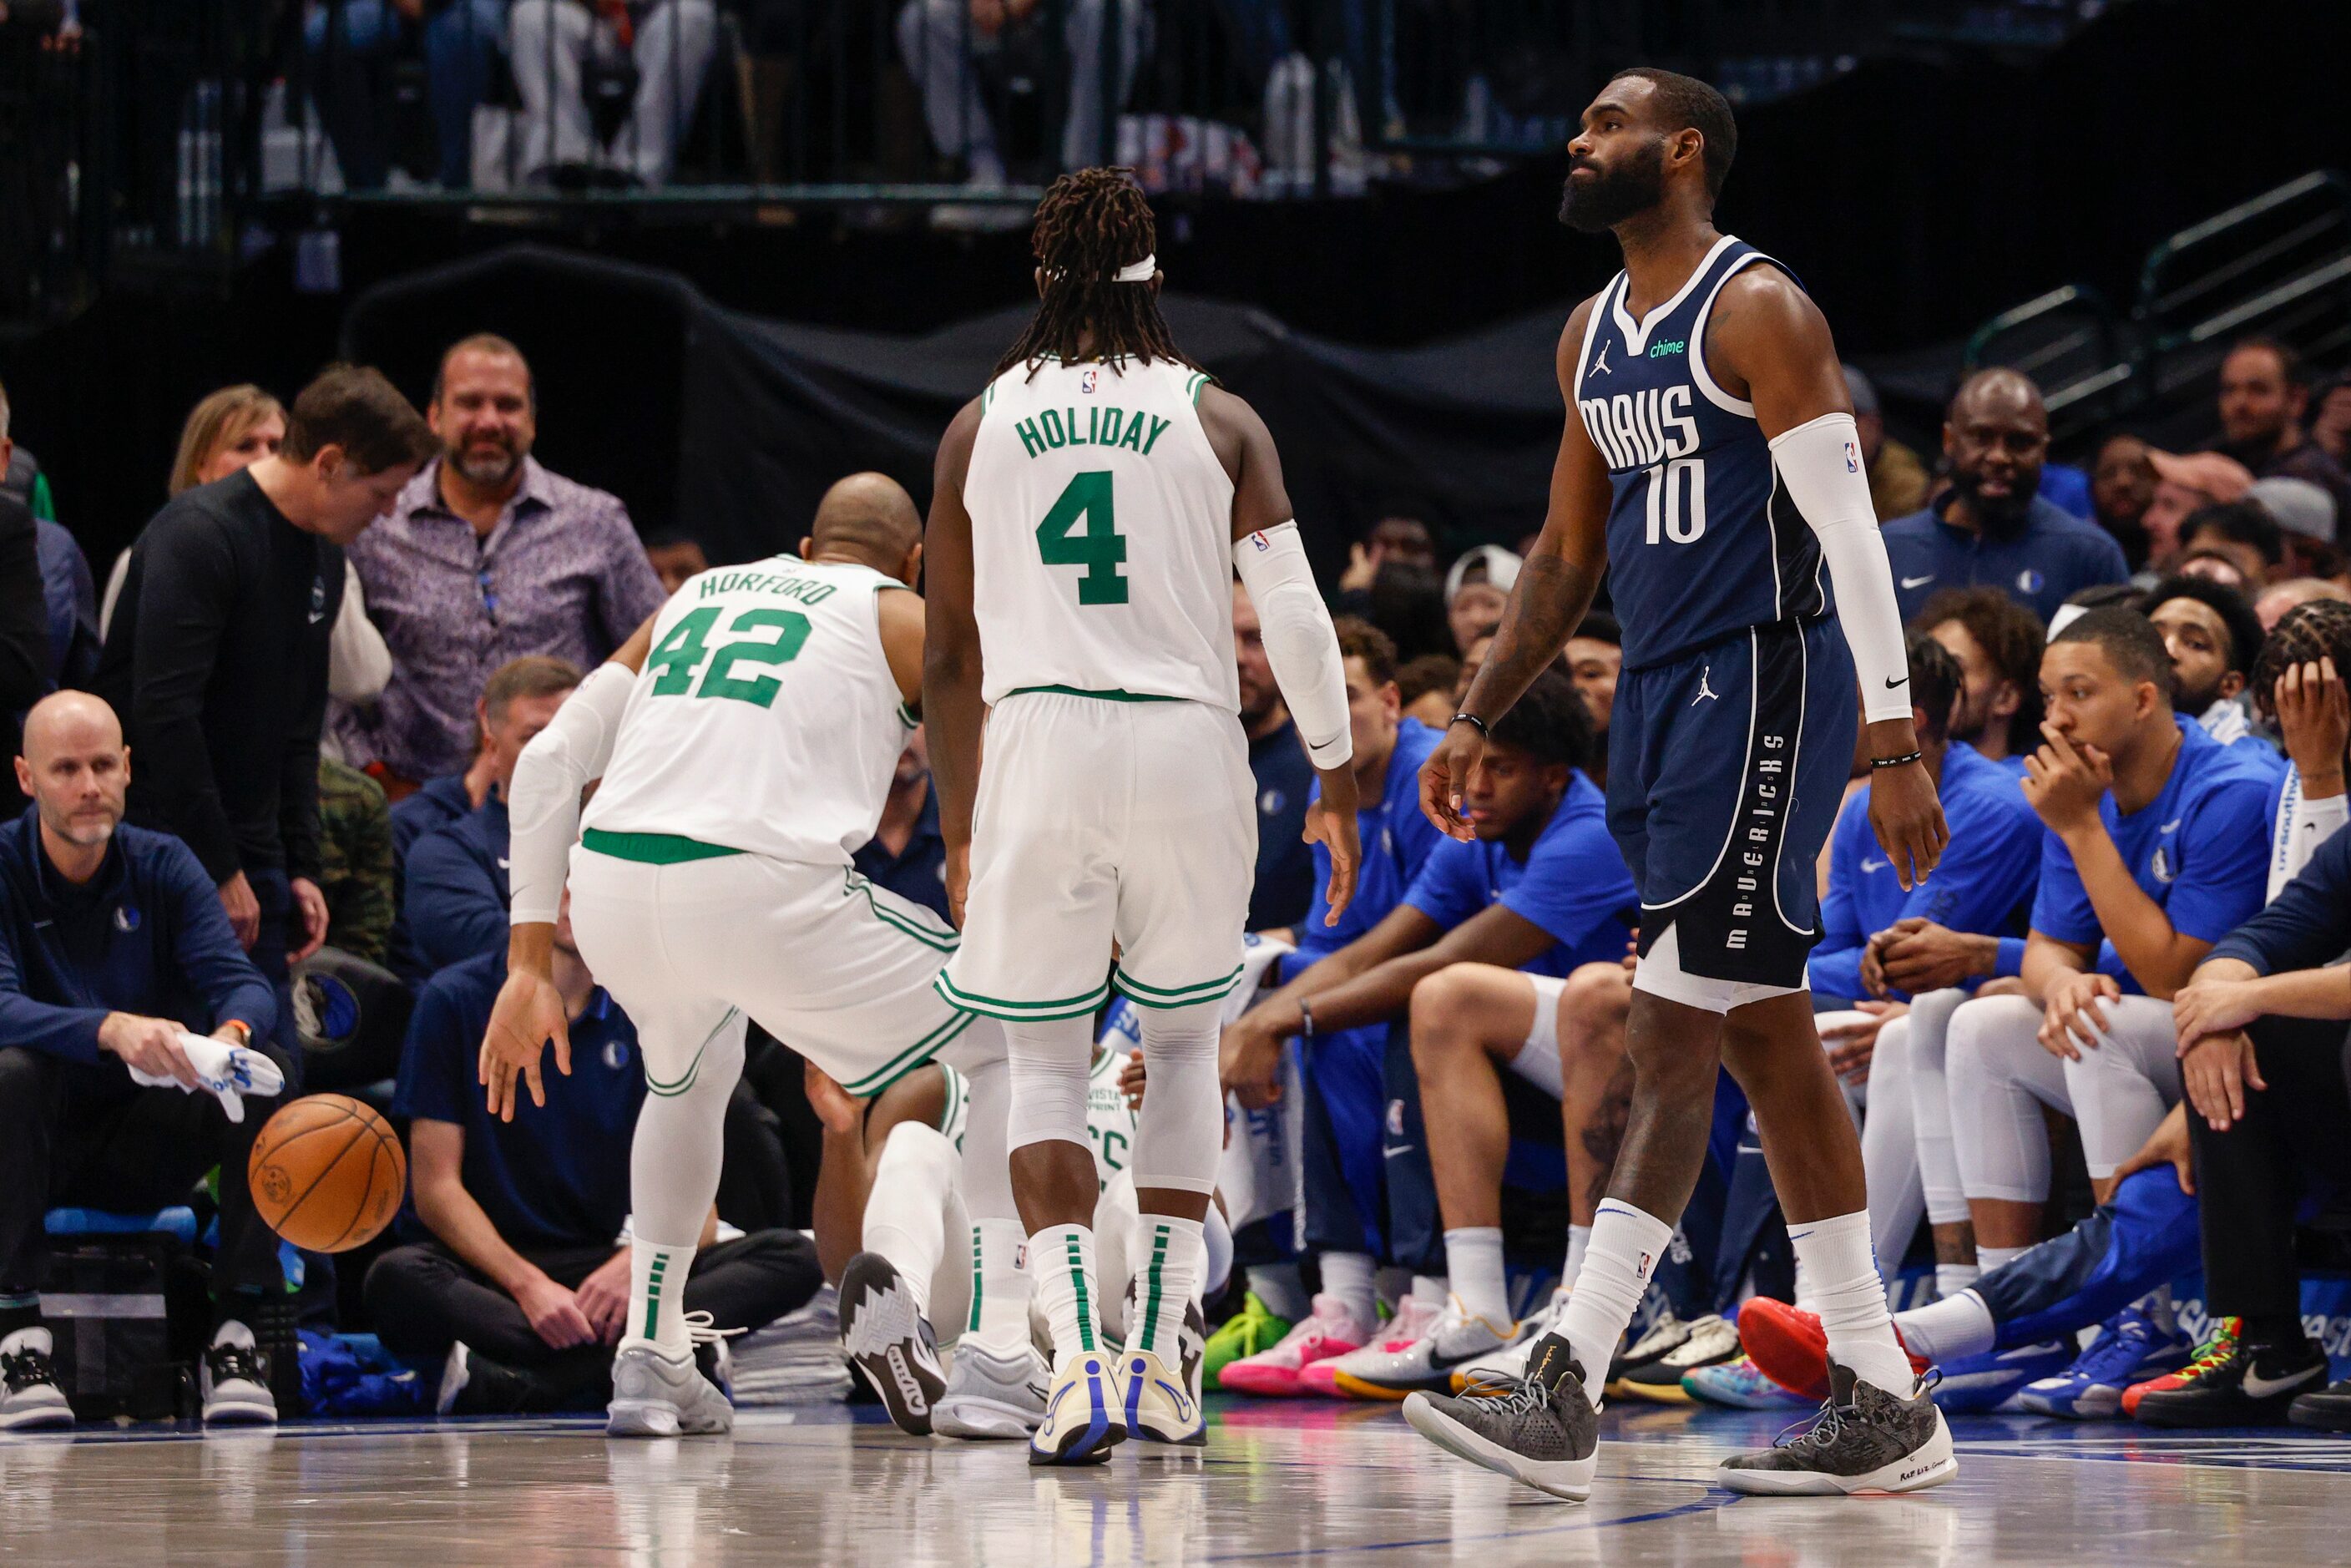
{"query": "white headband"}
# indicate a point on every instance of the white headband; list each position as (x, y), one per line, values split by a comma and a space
(1140, 272)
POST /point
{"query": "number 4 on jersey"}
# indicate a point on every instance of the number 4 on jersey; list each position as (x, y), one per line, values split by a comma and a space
(1100, 549)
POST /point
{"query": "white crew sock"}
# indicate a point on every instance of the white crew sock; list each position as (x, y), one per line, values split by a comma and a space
(1000, 1288)
(1347, 1276)
(1950, 1278)
(1431, 1291)
(1473, 1266)
(1991, 1258)
(1069, 1287)
(1624, 1249)
(657, 1271)
(1278, 1288)
(1171, 1252)
(1579, 1241)
(1841, 1270)
(1950, 1329)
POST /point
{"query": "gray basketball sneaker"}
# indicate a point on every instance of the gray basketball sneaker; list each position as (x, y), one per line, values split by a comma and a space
(1540, 1429)
(29, 1395)
(988, 1395)
(653, 1397)
(1864, 1440)
(889, 1341)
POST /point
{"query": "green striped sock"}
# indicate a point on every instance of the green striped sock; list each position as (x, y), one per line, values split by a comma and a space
(1167, 1276)
(1068, 1288)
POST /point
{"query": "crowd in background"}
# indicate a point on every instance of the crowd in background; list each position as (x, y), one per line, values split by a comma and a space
(267, 751)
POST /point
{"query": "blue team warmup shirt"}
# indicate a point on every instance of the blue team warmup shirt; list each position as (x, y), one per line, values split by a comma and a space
(558, 1174)
(1398, 837)
(1981, 885)
(2201, 849)
(1573, 883)
(2054, 556)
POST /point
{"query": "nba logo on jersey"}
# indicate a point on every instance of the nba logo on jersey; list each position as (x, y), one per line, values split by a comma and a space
(1087, 382)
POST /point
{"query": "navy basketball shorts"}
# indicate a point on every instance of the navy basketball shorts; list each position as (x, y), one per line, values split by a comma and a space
(1725, 772)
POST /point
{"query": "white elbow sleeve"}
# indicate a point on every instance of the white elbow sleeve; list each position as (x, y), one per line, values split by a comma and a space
(543, 800)
(1820, 462)
(1299, 641)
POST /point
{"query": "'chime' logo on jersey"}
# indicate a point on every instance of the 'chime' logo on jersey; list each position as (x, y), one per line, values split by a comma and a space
(1652, 432)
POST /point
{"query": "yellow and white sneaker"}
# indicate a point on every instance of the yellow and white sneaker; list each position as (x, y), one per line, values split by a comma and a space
(1083, 1418)
(1162, 1404)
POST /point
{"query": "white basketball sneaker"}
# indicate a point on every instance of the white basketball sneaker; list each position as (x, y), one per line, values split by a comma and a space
(991, 1395)
(1082, 1419)
(1428, 1364)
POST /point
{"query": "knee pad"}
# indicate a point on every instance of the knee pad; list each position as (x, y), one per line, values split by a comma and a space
(1051, 1063)
(1179, 1137)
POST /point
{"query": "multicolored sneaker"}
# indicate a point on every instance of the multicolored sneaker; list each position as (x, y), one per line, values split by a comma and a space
(1711, 1342)
(1245, 1333)
(1974, 1383)
(1510, 1362)
(1427, 1365)
(1406, 1327)
(1738, 1385)
(2130, 1347)
(1789, 1346)
(1866, 1439)
(2229, 1382)
(1329, 1330)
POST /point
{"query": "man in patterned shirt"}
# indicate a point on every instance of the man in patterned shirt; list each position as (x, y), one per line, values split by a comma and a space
(487, 556)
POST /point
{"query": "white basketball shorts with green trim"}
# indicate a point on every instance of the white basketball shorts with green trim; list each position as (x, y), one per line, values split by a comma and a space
(1103, 817)
(683, 934)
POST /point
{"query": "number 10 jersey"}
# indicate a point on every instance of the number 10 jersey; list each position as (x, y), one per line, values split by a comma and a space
(1102, 535)
(765, 719)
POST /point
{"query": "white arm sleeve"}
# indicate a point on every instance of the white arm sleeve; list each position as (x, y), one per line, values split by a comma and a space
(543, 801)
(1299, 640)
(1820, 462)
(2303, 824)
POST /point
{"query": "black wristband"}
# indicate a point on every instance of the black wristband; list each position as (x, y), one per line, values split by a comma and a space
(1467, 719)
(1907, 756)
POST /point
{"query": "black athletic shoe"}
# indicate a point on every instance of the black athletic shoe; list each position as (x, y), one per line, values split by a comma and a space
(889, 1341)
(29, 1395)
(1864, 1440)
(1541, 1429)
(2230, 1384)
(2327, 1410)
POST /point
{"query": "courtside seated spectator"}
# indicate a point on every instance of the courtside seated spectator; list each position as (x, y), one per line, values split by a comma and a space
(2264, 395)
(25, 652)
(1994, 526)
(2185, 483)
(217, 656)
(2306, 515)
(2122, 487)
(2241, 533)
(1998, 643)
(676, 556)
(1424, 686)
(1477, 588)
(1285, 870)
(516, 1268)
(907, 854)
(113, 948)
(2277, 599)
(1594, 657)
(2157, 846)
(1899, 481)
(453, 887)
(487, 556)
(2213, 637)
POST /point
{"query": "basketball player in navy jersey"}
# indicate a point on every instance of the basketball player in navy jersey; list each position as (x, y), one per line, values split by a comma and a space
(1711, 464)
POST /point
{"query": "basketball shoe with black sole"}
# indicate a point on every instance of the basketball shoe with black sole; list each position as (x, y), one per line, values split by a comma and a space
(889, 1341)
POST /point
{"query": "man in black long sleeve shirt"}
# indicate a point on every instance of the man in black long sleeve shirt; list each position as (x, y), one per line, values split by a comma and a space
(23, 611)
(217, 657)
(2262, 1059)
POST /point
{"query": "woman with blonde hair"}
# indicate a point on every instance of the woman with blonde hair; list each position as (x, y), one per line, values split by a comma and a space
(227, 431)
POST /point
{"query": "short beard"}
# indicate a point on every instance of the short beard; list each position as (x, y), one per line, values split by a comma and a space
(488, 475)
(2001, 518)
(1633, 188)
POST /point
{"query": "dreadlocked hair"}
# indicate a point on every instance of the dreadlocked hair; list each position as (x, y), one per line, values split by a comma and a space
(2303, 635)
(1090, 223)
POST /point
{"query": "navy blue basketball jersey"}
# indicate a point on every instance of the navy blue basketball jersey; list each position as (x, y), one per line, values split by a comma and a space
(1702, 541)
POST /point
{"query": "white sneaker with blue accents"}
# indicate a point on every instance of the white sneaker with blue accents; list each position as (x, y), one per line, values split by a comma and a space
(1083, 1420)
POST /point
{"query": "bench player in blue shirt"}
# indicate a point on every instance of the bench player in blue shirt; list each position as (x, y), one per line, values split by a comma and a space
(1712, 467)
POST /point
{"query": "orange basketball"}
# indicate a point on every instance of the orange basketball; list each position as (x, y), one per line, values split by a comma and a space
(327, 1173)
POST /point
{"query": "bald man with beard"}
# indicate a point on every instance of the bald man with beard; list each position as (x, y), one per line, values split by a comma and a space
(1991, 524)
(113, 949)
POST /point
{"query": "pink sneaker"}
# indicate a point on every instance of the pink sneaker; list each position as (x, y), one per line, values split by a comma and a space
(1329, 1330)
(1411, 1323)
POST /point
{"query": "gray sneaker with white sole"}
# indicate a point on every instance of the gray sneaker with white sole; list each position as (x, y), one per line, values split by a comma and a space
(1863, 1439)
(1541, 1429)
(653, 1397)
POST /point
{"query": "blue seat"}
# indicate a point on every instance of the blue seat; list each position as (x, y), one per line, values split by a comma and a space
(179, 1220)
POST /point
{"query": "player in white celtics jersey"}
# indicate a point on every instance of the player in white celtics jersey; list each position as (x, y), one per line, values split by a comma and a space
(894, 1232)
(1089, 512)
(744, 739)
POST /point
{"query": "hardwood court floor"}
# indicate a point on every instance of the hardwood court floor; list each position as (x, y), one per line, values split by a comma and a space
(1282, 1482)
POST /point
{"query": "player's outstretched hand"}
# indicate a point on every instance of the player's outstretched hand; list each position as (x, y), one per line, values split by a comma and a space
(1445, 775)
(1907, 820)
(528, 1013)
